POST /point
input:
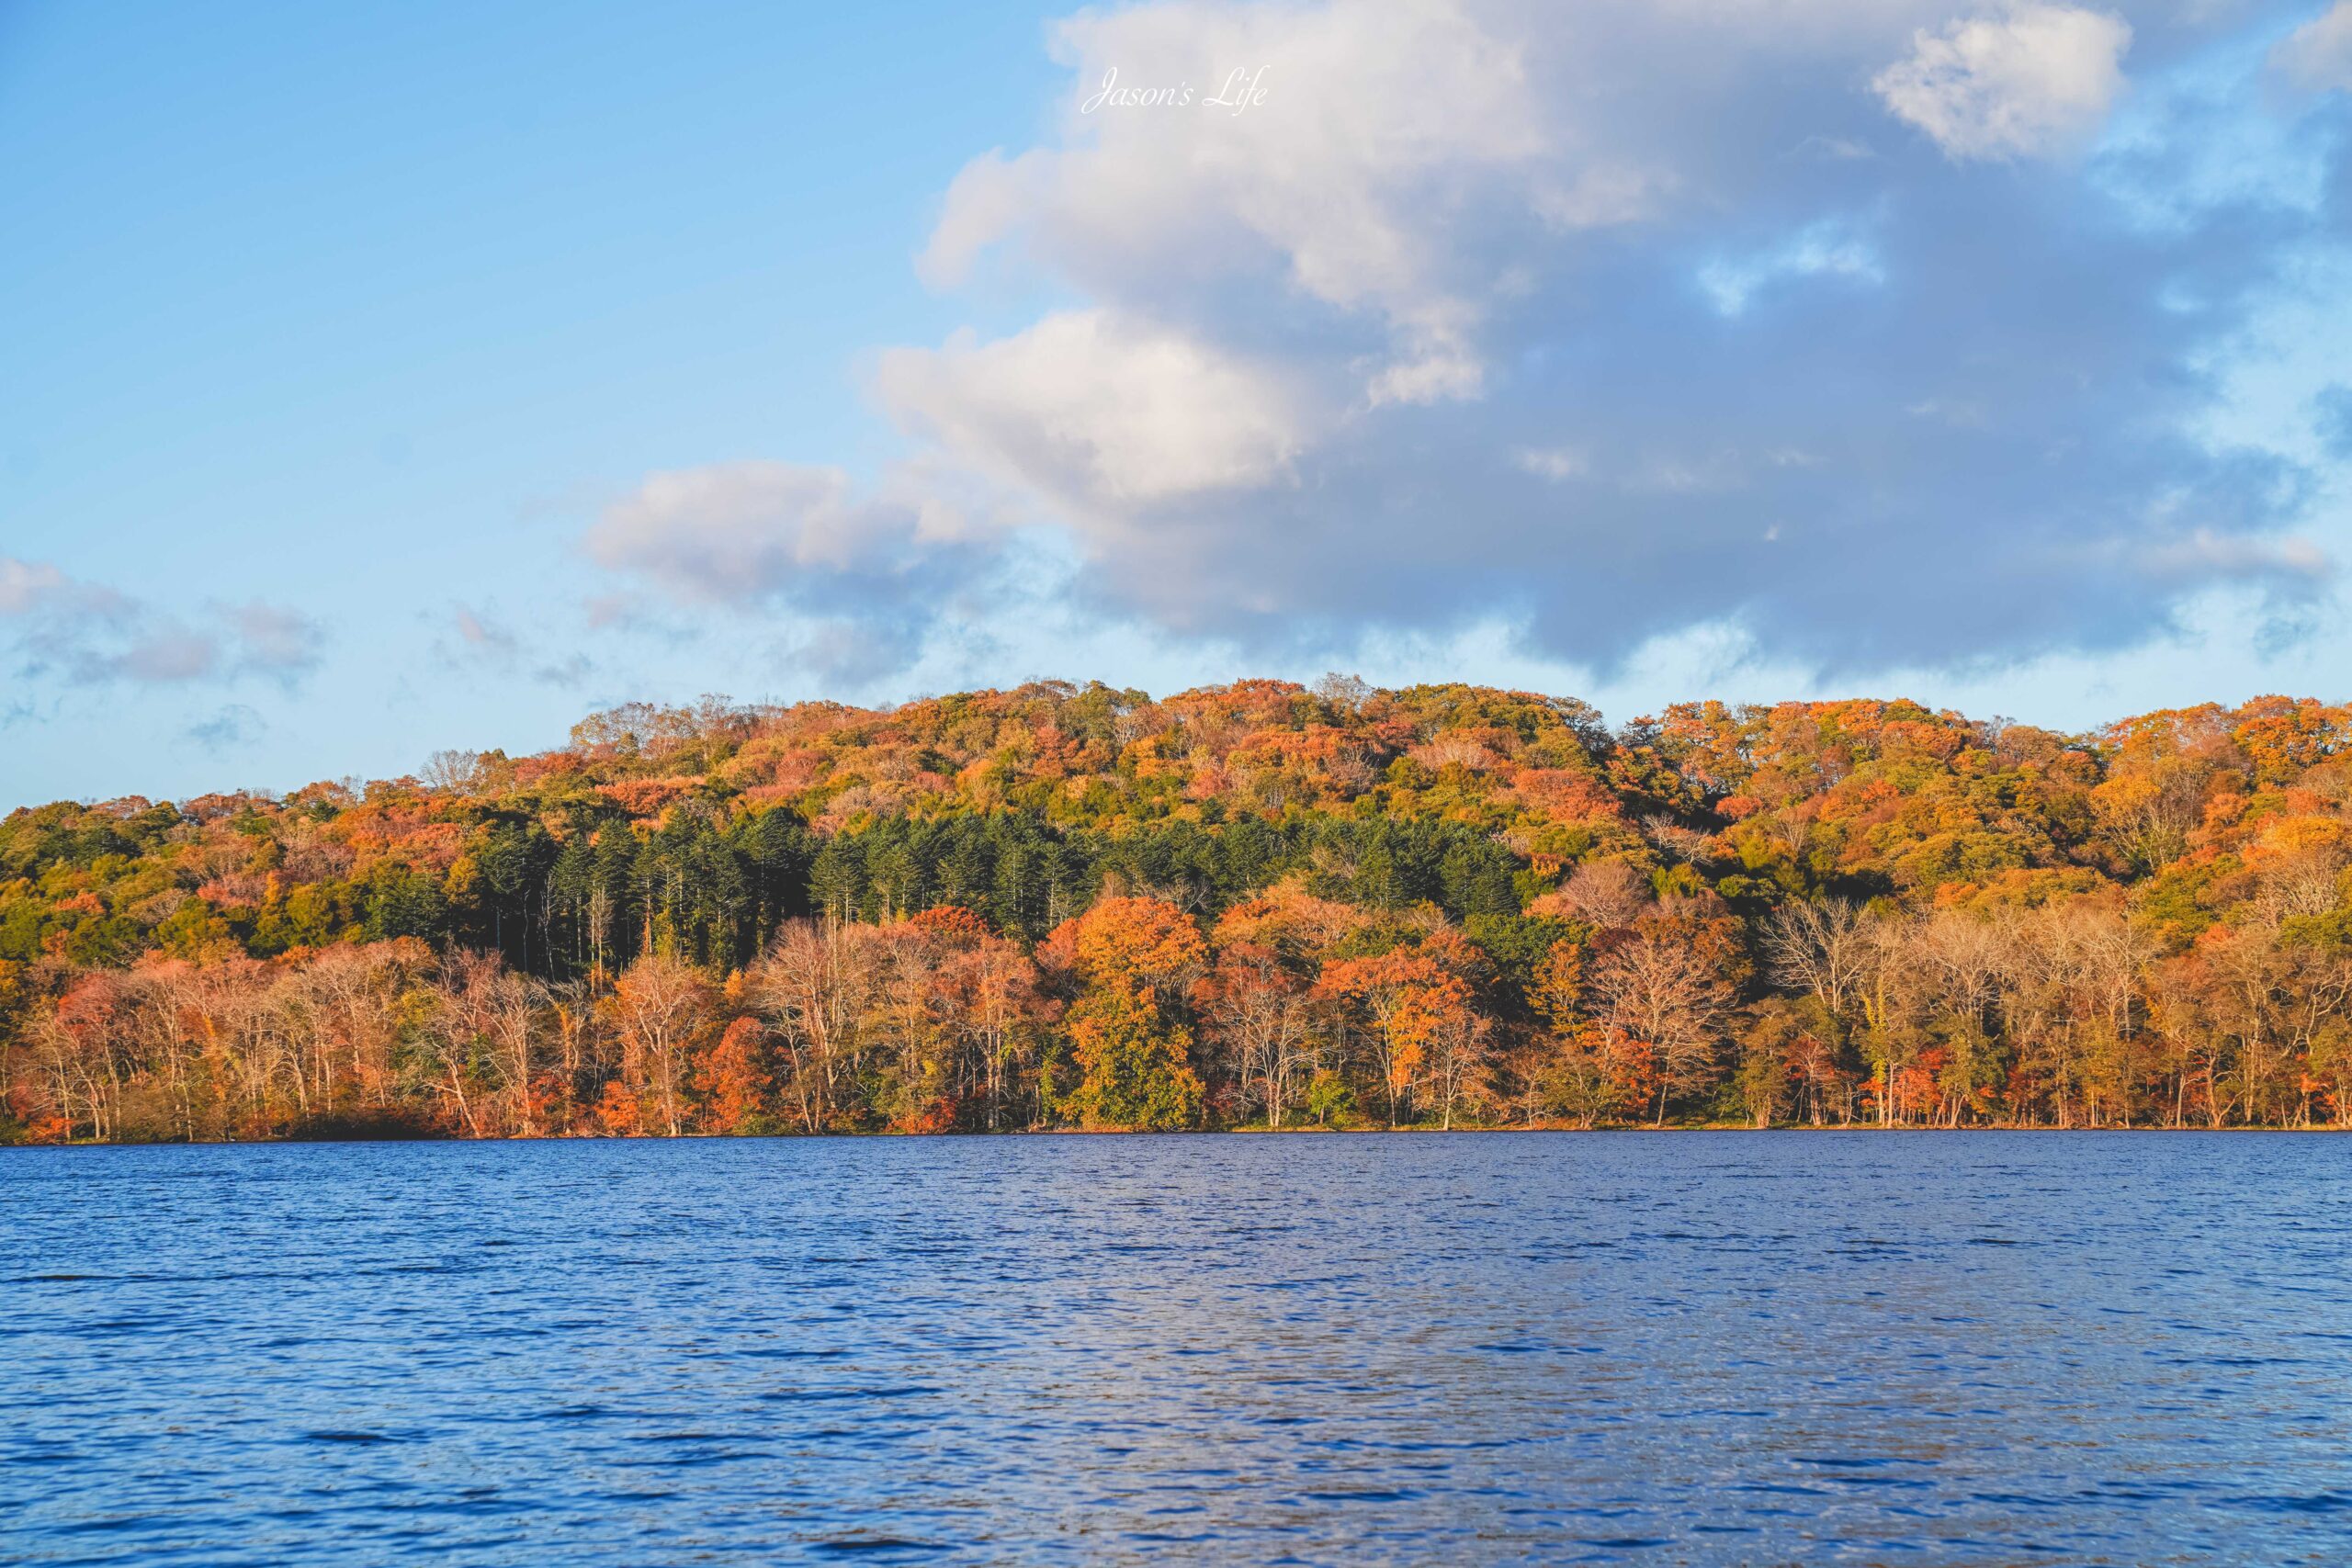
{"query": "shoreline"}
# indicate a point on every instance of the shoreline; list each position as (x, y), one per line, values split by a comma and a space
(880, 1136)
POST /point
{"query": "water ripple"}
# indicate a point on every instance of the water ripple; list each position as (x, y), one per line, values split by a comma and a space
(1687, 1348)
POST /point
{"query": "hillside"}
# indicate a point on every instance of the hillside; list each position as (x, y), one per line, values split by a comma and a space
(1247, 905)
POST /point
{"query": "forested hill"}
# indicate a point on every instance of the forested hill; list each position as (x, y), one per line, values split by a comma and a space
(1244, 905)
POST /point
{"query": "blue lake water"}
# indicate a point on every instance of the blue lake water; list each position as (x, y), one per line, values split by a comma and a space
(1681, 1347)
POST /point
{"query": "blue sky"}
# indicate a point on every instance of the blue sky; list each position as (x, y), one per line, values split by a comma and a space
(382, 380)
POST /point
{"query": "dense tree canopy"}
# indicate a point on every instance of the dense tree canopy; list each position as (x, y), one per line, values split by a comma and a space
(1256, 904)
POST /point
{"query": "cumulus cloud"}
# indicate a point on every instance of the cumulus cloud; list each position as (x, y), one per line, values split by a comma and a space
(2026, 80)
(741, 536)
(1380, 121)
(90, 634)
(735, 533)
(1776, 321)
(1099, 408)
(2318, 55)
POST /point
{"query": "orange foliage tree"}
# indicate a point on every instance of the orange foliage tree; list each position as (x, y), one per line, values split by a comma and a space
(1127, 1030)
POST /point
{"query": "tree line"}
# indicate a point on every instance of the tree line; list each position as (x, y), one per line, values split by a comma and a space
(1251, 906)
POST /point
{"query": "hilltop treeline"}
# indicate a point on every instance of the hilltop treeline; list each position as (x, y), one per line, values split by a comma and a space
(1251, 905)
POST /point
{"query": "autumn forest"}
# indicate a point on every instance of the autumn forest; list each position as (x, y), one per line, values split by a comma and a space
(1255, 906)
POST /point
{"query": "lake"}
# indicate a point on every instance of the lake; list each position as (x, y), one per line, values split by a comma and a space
(1678, 1347)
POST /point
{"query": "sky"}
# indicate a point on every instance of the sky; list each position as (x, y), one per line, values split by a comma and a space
(375, 381)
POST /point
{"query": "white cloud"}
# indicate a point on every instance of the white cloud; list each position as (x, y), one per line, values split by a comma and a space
(274, 640)
(1416, 344)
(1436, 365)
(164, 655)
(1557, 464)
(738, 532)
(26, 586)
(2203, 556)
(882, 569)
(1097, 406)
(1510, 201)
(2318, 54)
(90, 634)
(989, 199)
(1377, 120)
(2024, 80)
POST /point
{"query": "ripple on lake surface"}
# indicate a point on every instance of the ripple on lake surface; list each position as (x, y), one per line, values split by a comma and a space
(1685, 1347)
